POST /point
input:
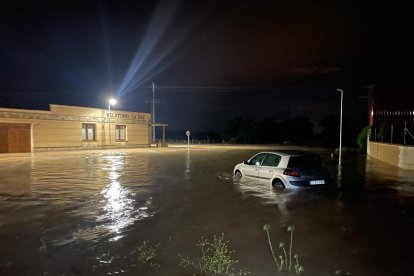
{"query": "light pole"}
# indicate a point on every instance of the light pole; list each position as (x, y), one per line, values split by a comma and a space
(153, 112)
(340, 128)
(111, 102)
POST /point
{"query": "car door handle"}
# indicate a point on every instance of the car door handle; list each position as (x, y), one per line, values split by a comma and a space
(270, 171)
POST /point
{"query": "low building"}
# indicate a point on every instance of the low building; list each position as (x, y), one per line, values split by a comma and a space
(72, 128)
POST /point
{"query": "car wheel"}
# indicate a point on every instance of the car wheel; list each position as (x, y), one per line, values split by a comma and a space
(238, 174)
(278, 184)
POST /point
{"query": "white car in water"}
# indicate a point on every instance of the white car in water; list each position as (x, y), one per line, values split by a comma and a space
(286, 169)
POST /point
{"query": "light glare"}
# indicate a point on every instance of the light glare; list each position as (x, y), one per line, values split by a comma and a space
(112, 102)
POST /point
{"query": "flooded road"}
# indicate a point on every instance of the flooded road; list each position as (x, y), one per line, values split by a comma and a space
(90, 213)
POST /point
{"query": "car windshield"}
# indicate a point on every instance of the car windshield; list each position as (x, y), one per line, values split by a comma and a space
(305, 161)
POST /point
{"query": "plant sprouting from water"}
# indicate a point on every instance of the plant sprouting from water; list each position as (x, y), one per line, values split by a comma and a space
(284, 262)
(215, 258)
(146, 253)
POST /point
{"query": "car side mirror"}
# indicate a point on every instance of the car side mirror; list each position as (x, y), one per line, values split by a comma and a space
(246, 162)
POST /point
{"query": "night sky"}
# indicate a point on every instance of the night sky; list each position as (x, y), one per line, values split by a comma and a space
(212, 60)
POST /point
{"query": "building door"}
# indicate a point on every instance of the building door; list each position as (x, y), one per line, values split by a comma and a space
(3, 140)
(14, 138)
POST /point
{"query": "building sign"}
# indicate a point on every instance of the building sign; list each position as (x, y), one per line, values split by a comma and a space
(126, 116)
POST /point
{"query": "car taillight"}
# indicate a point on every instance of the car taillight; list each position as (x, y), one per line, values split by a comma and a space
(291, 172)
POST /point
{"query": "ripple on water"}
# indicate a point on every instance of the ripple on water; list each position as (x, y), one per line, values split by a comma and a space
(95, 197)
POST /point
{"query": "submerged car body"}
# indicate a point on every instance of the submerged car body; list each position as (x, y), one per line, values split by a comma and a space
(286, 169)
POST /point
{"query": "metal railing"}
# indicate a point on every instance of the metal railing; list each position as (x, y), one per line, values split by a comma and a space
(406, 131)
(391, 134)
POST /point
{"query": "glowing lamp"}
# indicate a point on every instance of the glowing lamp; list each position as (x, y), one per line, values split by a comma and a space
(112, 102)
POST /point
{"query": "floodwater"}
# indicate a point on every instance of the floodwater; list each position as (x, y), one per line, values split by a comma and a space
(89, 213)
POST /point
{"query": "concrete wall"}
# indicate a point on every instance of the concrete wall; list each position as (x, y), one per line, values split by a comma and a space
(396, 155)
(61, 127)
(407, 157)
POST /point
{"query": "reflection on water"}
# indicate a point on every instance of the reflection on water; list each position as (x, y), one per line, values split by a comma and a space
(118, 203)
(187, 165)
(96, 197)
(266, 193)
(339, 177)
(251, 187)
(381, 176)
(86, 213)
(118, 207)
(358, 176)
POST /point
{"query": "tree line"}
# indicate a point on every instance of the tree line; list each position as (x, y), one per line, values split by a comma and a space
(299, 130)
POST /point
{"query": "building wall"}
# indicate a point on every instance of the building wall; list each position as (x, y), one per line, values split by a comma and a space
(138, 134)
(407, 157)
(396, 155)
(56, 134)
(61, 127)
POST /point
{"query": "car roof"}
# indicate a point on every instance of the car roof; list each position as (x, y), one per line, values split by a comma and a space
(291, 152)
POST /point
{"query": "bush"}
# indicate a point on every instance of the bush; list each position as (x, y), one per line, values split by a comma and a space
(362, 139)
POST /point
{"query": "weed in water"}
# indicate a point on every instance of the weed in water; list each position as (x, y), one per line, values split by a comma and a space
(146, 253)
(215, 258)
(284, 261)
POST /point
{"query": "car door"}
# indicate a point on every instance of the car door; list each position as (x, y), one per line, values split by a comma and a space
(268, 167)
(251, 169)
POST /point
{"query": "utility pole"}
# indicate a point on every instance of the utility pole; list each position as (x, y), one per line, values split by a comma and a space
(153, 112)
(153, 101)
(340, 128)
(370, 98)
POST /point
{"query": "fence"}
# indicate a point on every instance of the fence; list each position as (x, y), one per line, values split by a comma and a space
(194, 141)
(392, 134)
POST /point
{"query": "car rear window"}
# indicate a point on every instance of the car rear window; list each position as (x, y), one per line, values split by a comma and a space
(305, 161)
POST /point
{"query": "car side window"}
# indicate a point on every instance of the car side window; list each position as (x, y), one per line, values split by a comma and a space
(258, 158)
(271, 160)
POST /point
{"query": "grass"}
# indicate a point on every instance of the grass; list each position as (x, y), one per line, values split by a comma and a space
(284, 261)
(216, 258)
(146, 253)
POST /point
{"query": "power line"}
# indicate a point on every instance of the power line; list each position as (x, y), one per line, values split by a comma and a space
(224, 88)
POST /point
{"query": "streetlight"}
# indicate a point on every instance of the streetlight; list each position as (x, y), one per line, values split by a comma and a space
(340, 127)
(112, 101)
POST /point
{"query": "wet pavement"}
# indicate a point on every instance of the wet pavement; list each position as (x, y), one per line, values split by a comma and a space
(89, 213)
